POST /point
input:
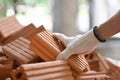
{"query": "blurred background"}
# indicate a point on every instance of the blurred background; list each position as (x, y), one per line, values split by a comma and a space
(70, 17)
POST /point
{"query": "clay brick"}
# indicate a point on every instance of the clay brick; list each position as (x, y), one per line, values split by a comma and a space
(27, 32)
(8, 26)
(32, 33)
(45, 45)
(92, 75)
(103, 65)
(21, 33)
(94, 64)
(75, 74)
(114, 71)
(19, 51)
(78, 63)
(6, 66)
(52, 70)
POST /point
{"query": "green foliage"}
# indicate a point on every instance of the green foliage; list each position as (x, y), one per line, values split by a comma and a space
(43, 2)
(29, 2)
(84, 1)
(1, 1)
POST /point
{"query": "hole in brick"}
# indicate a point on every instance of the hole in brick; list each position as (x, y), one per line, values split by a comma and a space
(19, 75)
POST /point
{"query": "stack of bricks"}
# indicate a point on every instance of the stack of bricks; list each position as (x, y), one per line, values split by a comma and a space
(45, 46)
(29, 53)
(97, 70)
(21, 63)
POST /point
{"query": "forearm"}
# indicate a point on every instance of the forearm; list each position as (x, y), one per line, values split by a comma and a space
(110, 27)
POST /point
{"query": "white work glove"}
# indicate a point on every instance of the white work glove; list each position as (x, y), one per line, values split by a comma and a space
(65, 40)
(84, 44)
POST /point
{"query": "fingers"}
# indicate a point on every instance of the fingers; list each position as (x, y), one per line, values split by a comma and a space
(64, 54)
(60, 57)
(65, 40)
(61, 37)
(68, 52)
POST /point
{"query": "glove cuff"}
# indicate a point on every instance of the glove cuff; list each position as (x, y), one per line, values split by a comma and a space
(97, 35)
(91, 37)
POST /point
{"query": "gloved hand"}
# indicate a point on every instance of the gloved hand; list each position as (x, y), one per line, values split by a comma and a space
(65, 40)
(78, 44)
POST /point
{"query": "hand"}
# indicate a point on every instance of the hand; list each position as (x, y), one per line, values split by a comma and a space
(78, 44)
(65, 40)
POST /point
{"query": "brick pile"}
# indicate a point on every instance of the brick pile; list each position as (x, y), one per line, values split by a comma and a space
(29, 53)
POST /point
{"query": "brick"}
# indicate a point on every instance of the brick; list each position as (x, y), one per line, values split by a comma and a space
(52, 70)
(103, 65)
(114, 71)
(8, 26)
(20, 52)
(92, 75)
(21, 33)
(6, 66)
(78, 63)
(45, 45)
